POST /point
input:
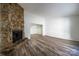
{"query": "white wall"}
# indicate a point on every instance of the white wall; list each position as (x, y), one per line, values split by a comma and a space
(74, 29)
(29, 19)
(58, 27)
(63, 27)
(27, 22)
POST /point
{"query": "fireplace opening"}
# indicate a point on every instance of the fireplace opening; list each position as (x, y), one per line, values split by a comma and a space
(17, 35)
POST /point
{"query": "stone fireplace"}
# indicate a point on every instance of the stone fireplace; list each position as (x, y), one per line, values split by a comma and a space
(11, 24)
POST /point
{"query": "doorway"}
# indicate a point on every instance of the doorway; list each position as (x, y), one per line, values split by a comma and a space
(37, 29)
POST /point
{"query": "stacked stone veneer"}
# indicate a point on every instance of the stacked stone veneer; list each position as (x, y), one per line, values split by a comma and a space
(11, 18)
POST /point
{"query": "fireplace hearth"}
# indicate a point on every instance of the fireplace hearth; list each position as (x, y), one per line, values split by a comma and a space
(17, 35)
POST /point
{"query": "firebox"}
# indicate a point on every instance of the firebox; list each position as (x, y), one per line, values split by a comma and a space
(17, 35)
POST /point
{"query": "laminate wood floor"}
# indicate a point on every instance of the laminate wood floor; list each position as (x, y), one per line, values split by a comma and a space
(45, 46)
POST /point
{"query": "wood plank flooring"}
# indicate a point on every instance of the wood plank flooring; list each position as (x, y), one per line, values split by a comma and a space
(45, 46)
